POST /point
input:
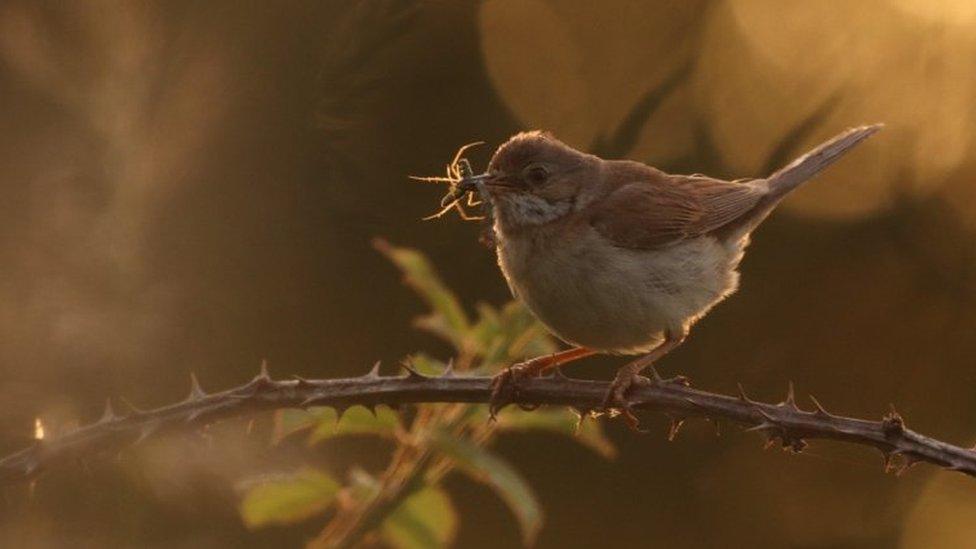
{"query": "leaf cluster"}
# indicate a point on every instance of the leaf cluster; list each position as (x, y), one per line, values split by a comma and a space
(406, 505)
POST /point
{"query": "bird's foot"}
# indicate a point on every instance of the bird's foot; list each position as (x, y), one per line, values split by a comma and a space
(505, 385)
(616, 399)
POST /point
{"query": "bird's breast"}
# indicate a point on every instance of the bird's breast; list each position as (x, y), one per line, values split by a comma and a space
(594, 294)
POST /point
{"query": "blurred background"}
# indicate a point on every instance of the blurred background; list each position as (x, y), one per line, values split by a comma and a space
(194, 186)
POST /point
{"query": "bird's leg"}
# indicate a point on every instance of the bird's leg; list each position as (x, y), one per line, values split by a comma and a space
(504, 387)
(629, 375)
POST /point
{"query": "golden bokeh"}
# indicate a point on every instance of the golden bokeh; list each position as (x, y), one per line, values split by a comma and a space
(768, 65)
(762, 68)
(943, 516)
(194, 187)
(570, 67)
(951, 12)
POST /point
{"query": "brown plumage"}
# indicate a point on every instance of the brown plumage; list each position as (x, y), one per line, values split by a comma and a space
(659, 209)
(615, 256)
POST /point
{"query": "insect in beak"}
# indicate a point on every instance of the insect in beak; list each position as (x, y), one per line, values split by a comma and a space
(469, 183)
(463, 183)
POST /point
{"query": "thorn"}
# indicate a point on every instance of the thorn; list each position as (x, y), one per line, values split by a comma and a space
(675, 427)
(448, 369)
(263, 379)
(765, 414)
(894, 468)
(109, 414)
(340, 410)
(371, 408)
(146, 431)
(302, 382)
(308, 402)
(790, 401)
(411, 372)
(558, 373)
(888, 457)
(132, 408)
(196, 391)
(910, 461)
(742, 394)
(194, 415)
(760, 427)
(819, 409)
(374, 372)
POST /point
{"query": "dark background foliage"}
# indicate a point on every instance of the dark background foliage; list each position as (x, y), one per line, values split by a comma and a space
(194, 187)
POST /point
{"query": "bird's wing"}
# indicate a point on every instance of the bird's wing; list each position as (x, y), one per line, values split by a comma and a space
(659, 211)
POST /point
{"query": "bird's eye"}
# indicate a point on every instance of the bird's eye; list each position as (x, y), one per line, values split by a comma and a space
(536, 174)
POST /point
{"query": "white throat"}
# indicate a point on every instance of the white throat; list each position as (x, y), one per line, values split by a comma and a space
(526, 209)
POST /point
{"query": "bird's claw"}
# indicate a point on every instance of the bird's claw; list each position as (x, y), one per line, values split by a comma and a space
(679, 379)
(504, 387)
(616, 403)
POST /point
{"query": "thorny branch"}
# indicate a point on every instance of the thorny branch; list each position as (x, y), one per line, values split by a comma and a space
(784, 422)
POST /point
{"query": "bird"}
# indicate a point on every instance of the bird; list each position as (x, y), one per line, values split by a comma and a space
(617, 257)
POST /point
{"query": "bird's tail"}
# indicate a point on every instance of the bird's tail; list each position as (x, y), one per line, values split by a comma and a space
(812, 163)
(798, 172)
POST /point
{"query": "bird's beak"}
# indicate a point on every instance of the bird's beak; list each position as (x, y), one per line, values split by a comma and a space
(470, 184)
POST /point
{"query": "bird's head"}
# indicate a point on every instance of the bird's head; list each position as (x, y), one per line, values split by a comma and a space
(534, 178)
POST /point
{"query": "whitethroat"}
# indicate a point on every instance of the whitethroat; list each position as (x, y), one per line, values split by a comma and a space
(618, 257)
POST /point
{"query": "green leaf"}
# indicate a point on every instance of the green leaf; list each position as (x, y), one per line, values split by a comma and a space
(508, 335)
(324, 424)
(447, 319)
(484, 466)
(426, 364)
(426, 519)
(289, 499)
(357, 420)
(288, 422)
(529, 337)
(559, 420)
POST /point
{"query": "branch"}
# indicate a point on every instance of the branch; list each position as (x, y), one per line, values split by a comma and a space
(785, 422)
